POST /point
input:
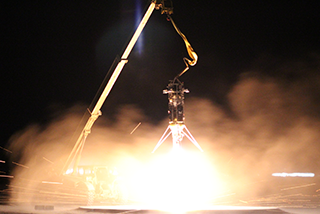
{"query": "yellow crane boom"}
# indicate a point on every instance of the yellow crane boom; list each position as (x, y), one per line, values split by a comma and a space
(75, 155)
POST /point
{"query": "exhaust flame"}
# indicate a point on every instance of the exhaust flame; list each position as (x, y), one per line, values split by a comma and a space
(178, 178)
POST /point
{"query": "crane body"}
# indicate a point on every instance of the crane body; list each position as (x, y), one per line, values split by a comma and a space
(75, 155)
(93, 186)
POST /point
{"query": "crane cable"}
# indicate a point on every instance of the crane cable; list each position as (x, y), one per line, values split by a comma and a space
(190, 50)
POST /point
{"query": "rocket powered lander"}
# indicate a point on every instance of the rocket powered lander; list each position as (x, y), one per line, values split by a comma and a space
(176, 127)
(175, 91)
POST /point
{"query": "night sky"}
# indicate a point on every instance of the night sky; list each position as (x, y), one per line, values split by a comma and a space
(55, 54)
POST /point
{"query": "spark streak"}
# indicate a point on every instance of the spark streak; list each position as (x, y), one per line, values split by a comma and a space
(18, 164)
(6, 176)
(48, 160)
(295, 174)
(7, 150)
(297, 187)
(135, 128)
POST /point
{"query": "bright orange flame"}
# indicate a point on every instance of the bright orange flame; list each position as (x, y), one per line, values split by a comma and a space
(177, 180)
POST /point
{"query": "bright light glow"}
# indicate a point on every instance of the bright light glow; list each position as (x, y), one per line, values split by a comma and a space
(69, 171)
(295, 174)
(81, 171)
(177, 180)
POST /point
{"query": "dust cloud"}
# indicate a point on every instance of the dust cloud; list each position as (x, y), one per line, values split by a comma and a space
(274, 127)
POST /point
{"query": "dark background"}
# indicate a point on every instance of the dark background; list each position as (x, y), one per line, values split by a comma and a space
(55, 54)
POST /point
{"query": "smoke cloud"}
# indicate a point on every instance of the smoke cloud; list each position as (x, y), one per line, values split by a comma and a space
(274, 127)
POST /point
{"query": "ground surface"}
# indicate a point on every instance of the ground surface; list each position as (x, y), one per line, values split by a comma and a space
(28, 209)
